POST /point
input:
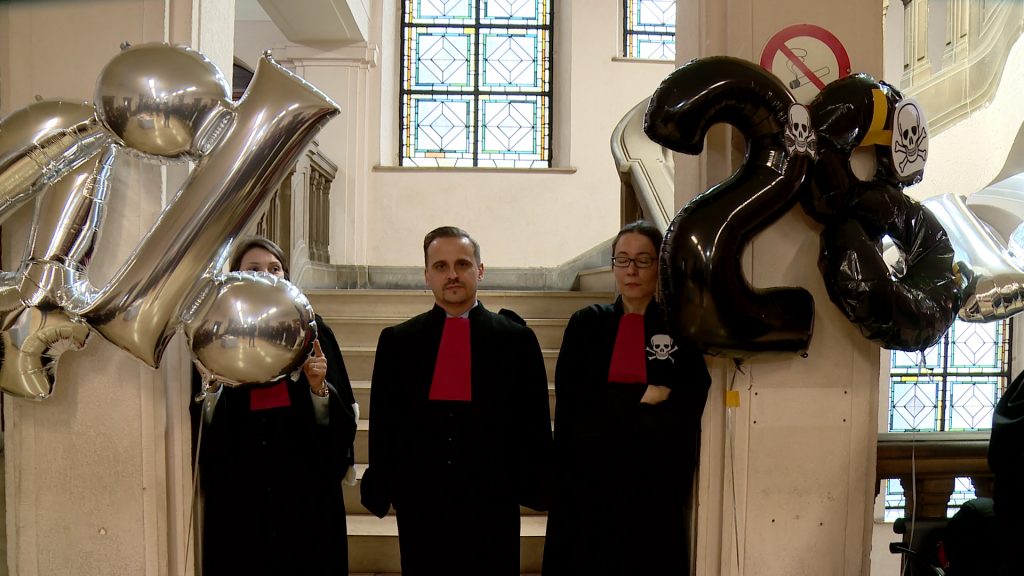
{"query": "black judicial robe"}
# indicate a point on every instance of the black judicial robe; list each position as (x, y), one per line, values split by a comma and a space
(624, 470)
(272, 479)
(456, 472)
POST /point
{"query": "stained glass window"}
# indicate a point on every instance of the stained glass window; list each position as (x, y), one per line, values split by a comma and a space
(952, 386)
(649, 29)
(476, 83)
(955, 384)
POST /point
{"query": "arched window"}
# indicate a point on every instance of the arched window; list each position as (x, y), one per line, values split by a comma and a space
(476, 83)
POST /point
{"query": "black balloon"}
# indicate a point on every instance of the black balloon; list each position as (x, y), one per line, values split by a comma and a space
(845, 116)
(908, 308)
(709, 301)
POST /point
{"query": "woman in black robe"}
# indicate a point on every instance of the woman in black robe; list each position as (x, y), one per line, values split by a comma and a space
(273, 458)
(629, 401)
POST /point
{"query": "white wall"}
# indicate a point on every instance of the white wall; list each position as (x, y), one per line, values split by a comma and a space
(537, 218)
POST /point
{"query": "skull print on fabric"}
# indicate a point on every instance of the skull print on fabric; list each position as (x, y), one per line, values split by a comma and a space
(800, 137)
(662, 348)
(910, 143)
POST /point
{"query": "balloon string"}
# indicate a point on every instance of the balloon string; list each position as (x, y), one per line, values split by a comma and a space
(195, 490)
(731, 435)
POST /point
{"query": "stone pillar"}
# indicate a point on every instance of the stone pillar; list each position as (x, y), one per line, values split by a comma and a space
(98, 476)
(343, 74)
(787, 479)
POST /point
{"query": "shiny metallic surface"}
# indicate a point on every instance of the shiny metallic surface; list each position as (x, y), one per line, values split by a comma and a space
(163, 100)
(251, 328)
(994, 282)
(70, 212)
(42, 142)
(32, 346)
(139, 308)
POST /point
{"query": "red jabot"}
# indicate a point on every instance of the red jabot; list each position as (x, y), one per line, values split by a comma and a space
(452, 370)
(274, 396)
(628, 363)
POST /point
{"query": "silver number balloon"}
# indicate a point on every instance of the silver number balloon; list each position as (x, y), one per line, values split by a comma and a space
(170, 102)
(39, 144)
(37, 329)
(250, 328)
(139, 309)
(994, 283)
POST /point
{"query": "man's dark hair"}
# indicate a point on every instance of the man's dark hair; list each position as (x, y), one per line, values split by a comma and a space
(449, 232)
(641, 227)
(246, 244)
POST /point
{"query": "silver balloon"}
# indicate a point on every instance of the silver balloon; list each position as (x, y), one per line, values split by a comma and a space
(994, 283)
(39, 144)
(162, 100)
(36, 329)
(32, 344)
(250, 328)
(139, 308)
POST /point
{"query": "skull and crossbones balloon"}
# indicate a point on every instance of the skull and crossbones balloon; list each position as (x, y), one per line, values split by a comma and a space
(910, 143)
(799, 135)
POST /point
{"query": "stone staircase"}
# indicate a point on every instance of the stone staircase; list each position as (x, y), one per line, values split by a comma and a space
(357, 318)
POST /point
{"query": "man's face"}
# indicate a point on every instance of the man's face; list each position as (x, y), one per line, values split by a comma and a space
(452, 273)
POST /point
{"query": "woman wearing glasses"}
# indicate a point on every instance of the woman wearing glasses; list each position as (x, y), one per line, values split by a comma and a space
(627, 428)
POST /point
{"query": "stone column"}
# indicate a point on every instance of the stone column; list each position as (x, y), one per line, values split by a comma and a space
(98, 476)
(343, 74)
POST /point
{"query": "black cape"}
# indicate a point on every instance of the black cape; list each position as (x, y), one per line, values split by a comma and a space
(456, 472)
(272, 479)
(624, 470)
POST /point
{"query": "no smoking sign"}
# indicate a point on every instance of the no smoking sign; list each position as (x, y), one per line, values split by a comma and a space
(806, 58)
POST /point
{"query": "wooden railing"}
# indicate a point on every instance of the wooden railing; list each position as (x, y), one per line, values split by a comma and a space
(307, 212)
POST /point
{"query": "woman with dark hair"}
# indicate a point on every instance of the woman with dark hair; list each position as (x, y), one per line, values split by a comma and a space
(629, 400)
(273, 458)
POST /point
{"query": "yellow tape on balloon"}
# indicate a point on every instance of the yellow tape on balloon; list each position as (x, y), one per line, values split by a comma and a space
(877, 134)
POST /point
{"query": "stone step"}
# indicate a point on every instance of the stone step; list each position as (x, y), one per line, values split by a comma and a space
(373, 544)
(361, 389)
(408, 303)
(359, 361)
(366, 331)
(354, 506)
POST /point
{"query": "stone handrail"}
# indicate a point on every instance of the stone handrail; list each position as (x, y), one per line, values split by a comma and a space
(928, 463)
(646, 170)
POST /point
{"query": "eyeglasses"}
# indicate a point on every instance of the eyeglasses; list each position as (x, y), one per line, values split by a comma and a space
(641, 261)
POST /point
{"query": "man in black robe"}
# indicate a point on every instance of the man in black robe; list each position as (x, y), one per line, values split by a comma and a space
(460, 433)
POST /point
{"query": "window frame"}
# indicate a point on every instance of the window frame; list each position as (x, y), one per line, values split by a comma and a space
(626, 33)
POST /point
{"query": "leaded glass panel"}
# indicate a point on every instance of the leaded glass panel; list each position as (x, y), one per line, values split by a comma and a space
(476, 83)
(649, 29)
(954, 385)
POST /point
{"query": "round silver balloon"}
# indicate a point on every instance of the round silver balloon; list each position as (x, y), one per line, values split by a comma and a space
(165, 101)
(250, 328)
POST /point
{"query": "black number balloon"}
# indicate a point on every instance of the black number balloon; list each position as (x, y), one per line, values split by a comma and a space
(886, 261)
(709, 300)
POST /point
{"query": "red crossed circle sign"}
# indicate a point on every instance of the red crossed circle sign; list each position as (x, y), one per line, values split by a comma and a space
(806, 58)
